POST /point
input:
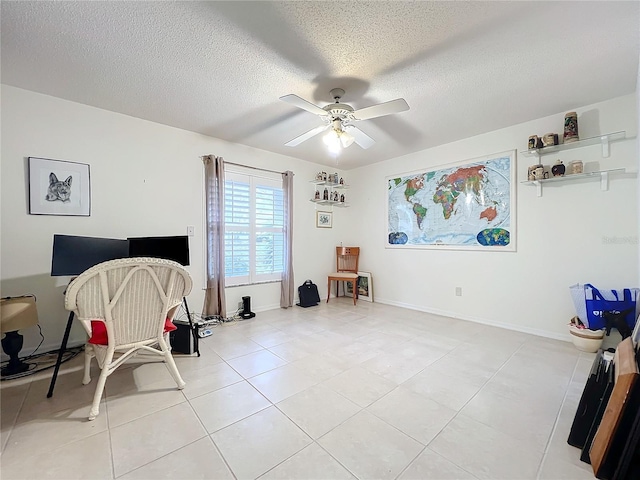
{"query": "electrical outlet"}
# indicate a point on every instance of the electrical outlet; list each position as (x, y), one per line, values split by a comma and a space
(190, 230)
(458, 291)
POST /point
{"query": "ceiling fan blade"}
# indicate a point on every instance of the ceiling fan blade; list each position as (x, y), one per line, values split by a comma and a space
(361, 138)
(303, 104)
(306, 136)
(394, 106)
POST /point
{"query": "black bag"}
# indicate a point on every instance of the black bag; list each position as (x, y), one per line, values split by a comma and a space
(308, 294)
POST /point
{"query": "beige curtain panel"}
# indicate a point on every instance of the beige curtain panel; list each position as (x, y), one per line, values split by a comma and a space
(287, 287)
(214, 300)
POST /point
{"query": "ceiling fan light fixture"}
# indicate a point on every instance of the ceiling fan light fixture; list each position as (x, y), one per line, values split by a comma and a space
(337, 139)
(332, 141)
(346, 139)
(338, 116)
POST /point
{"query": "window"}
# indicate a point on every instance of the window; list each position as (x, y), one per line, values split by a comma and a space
(254, 229)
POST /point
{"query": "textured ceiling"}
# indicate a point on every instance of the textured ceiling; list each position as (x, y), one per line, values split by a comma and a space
(218, 68)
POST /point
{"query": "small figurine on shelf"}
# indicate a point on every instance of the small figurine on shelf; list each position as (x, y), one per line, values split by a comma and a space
(550, 139)
(325, 196)
(335, 178)
(317, 197)
(342, 198)
(539, 173)
(558, 169)
(319, 177)
(576, 166)
(571, 127)
(341, 181)
(324, 176)
(335, 196)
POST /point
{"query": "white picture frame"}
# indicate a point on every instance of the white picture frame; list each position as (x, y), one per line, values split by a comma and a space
(58, 187)
(365, 287)
(324, 219)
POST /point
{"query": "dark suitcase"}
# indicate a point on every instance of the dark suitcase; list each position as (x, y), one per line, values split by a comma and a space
(308, 294)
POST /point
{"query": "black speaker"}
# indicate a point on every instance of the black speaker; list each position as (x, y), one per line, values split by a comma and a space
(181, 339)
(246, 308)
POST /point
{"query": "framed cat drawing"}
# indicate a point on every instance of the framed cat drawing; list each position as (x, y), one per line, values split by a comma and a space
(57, 187)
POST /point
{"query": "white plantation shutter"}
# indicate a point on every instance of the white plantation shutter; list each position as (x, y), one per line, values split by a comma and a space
(269, 231)
(237, 225)
(254, 223)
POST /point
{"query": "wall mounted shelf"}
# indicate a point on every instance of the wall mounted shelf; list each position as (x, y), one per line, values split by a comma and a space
(329, 202)
(335, 186)
(602, 174)
(331, 187)
(604, 140)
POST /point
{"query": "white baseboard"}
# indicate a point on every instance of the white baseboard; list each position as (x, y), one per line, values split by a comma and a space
(517, 328)
(266, 307)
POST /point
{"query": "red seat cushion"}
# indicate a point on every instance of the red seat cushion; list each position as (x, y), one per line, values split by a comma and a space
(99, 331)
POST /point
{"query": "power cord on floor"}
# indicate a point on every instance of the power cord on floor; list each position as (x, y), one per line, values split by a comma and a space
(44, 361)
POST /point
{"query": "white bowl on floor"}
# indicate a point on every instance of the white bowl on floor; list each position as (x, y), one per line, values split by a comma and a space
(586, 340)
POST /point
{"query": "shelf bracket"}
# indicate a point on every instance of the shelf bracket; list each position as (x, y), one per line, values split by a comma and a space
(605, 146)
(538, 187)
(604, 181)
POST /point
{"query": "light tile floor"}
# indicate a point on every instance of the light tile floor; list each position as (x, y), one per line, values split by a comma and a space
(329, 392)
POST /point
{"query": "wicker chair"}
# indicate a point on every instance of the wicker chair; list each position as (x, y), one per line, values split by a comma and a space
(133, 297)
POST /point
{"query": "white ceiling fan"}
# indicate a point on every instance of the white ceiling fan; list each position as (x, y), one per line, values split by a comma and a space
(339, 117)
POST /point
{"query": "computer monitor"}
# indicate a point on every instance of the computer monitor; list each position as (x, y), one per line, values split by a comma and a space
(72, 255)
(170, 248)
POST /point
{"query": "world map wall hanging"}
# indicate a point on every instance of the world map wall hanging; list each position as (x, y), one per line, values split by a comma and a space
(467, 205)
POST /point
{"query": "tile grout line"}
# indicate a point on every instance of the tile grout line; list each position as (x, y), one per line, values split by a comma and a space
(557, 419)
(15, 420)
(468, 401)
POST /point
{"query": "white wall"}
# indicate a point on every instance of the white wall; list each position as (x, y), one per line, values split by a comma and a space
(564, 237)
(146, 180)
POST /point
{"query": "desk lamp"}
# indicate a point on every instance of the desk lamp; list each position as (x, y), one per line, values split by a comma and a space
(16, 313)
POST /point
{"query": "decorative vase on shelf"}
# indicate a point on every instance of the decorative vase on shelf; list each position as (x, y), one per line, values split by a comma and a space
(576, 166)
(571, 127)
(550, 139)
(558, 169)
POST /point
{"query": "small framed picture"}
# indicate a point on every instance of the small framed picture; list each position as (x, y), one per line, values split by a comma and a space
(365, 287)
(324, 219)
(57, 187)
